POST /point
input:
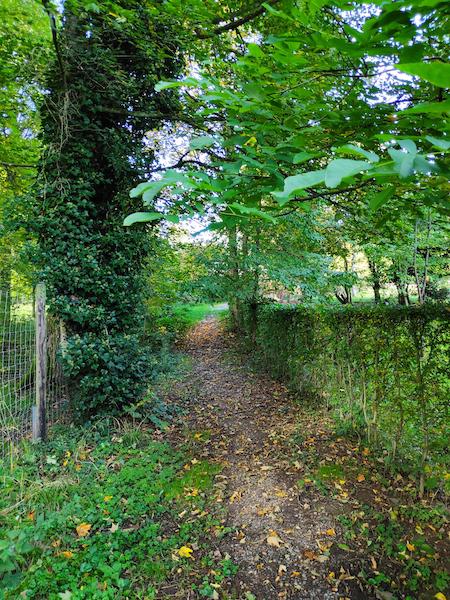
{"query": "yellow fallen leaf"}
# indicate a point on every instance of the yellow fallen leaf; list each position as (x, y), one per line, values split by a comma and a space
(107, 498)
(440, 596)
(330, 531)
(419, 529)
(66, 553)
(361, 477)
(295, 574)
(273, 539)
(366, 451)
(410, 547)
(185, 552)
(83, 529)
(235, 496)
(197, 436)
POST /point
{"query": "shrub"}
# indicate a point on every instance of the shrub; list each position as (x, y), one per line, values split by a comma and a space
(382, 367)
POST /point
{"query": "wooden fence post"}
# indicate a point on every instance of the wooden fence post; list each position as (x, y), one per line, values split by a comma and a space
(39, 416)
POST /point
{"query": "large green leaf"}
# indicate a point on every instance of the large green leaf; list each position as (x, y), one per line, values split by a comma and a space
(203, 141)
(440, 143)
(141, 217)
(352, 149)
(437, 72)
(341, 168)
(428, 107)
(377, 200)
(297, 183)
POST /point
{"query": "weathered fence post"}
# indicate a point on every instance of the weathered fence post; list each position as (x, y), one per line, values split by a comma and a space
(38, 415)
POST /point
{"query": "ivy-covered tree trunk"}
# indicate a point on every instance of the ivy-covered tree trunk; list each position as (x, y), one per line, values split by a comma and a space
(99, 105)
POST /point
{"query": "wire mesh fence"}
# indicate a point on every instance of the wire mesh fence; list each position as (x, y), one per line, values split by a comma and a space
(18, 382)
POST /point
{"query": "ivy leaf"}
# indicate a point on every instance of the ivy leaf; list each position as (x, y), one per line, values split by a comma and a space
(341, 168)
(437, 73)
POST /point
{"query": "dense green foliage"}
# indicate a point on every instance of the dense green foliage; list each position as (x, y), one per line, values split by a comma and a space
(383, 370)
(317, 108)
(24, 51)
(99, 105)
(103, 513)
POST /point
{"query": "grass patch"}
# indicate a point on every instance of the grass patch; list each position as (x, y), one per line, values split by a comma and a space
(108, 512)
(191, 314)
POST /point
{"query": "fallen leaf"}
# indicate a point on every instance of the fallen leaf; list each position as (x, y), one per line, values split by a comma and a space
(31, 515)
(410, 547)
(114, 527)
(361, 477)
(235, 496)
(273, 539)
(282, 569)
(66, 553)
(83, 529)
(309, 554)
(440, 596)
(107, 498)
(331, 532)
(185, 552)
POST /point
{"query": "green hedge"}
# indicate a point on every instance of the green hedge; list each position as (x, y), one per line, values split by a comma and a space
(383, 369)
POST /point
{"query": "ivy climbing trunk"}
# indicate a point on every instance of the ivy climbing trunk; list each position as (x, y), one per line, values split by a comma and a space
(100, 103)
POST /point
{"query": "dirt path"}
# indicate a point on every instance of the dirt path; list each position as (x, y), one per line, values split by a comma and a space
(284, 540)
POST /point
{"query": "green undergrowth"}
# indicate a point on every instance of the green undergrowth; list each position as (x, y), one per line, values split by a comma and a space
(170, 323)
(109, 511)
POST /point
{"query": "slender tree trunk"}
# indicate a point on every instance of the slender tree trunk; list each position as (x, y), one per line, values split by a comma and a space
(233, 301)
(376, 285)
(5, 297)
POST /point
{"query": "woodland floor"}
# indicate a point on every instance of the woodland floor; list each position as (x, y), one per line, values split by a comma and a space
(285, 532)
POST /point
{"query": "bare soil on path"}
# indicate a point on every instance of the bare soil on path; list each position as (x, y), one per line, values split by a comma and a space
(285, 540)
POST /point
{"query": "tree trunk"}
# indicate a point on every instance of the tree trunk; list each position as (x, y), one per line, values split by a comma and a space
(376, 285)
(5, 298)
